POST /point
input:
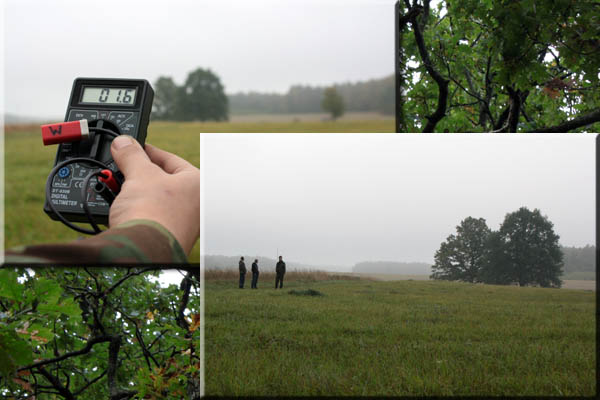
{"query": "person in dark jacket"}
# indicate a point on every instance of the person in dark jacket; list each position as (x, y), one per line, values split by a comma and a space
(279, 273)
(242, 272)
(254, 274)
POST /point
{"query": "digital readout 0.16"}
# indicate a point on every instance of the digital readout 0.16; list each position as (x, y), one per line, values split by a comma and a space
(105, 95)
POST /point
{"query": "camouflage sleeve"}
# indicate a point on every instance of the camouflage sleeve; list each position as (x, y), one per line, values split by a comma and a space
(138, 241)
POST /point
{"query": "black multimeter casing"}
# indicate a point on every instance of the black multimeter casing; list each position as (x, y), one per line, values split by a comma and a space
(129, 119)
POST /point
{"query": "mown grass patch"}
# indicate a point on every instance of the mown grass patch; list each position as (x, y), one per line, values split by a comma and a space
(307, 292)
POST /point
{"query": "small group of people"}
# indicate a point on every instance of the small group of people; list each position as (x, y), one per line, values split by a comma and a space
(279, 273)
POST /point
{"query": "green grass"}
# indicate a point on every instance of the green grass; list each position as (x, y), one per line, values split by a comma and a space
(301, 126)
(27, 164)
(406, 338)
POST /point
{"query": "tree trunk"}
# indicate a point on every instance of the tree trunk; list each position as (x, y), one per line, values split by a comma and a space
(515, 109)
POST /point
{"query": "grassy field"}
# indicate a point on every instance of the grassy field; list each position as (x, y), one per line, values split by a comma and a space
(342, 126)
(405, 338)
(28, 162)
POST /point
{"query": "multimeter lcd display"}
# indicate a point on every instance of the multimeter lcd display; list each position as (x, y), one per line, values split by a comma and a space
(108, 95)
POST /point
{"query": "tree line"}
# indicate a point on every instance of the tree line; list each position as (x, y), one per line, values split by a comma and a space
(580, 259)
(221, 262)
(392, 267)
(524, 251)
(376, 95)
(202, 98)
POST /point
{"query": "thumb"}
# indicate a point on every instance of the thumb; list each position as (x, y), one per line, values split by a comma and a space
(128, 155)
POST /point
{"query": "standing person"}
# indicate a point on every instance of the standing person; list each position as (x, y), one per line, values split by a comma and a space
(254, 274)
(279, 273)
(242, 272)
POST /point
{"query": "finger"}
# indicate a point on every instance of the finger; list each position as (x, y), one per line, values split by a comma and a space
(169, 162)
(129, 155)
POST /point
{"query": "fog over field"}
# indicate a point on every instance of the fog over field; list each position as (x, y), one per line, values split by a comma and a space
(264, 45)
(331, 199)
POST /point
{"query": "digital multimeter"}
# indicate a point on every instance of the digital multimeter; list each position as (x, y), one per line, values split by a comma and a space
(122, 106)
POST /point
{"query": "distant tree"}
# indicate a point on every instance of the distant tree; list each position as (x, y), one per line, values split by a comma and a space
(167, 98)
(462, 255)
(201, 98)
(529, 249)
(333, 103)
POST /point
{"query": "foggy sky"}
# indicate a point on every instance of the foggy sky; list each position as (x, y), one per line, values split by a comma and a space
(263, 45)
(344, 198)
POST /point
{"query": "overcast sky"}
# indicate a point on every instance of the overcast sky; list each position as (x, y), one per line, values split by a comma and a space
(261, 45)
(344, 198)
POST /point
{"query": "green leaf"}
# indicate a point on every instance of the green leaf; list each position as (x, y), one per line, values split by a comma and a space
(10, 288)
(14, 353)
(69, 307)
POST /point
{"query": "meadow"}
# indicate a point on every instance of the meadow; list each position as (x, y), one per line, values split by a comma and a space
(403, 338)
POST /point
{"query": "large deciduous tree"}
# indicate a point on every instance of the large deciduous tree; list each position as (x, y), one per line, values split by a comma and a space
(201, 98)
(530, 250)
(461, 256)
(525, 250)
(92, 334)
(500, 65)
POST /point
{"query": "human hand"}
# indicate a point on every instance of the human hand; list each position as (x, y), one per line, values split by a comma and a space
(159, 186)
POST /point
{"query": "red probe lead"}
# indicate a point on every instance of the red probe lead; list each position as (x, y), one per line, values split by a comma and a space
(65, 132)
(110, 181)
